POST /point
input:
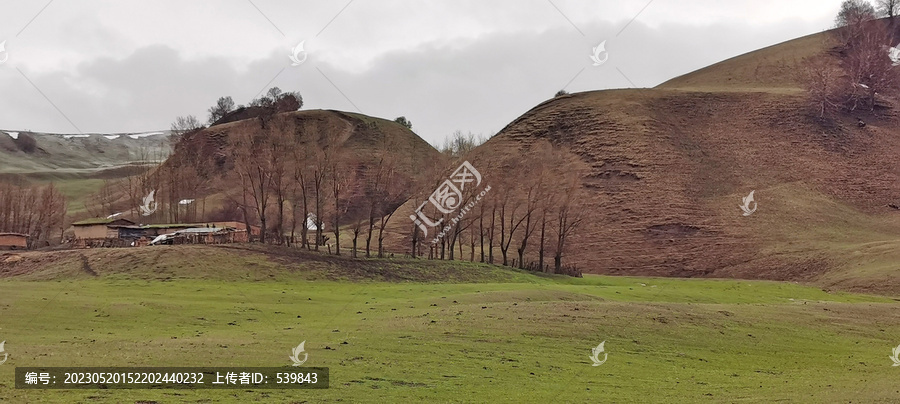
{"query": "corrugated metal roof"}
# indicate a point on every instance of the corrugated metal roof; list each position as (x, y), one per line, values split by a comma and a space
(200, 230)
(99, 220)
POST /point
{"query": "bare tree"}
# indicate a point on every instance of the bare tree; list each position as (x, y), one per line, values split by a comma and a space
(458, 144)
(568, 216)
(278, 143)
(509, 223)
(492, 228)
(852, 19)
(373, 192)
(320, 192)
(533, 196)
(393, 194)
(36, 211)
(869, 68)
(854, 12)
(341, 181)
(854, 77)
(357, 229)
(252, 164)
(825, 84)
(302, 173)
(185, 124)
(888, 8)
(461, 220)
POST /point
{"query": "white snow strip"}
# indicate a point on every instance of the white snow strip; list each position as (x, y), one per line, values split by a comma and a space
(74, 136)
(111, 137)
(14, 135)
(140, 135)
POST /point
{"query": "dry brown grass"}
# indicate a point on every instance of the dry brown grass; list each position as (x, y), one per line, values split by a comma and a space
(665, 170)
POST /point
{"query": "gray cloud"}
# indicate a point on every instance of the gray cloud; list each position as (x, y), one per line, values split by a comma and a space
(461, 74)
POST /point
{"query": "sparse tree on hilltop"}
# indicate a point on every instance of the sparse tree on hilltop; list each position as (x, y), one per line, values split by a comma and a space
(185, 124)
(222, 107)
(854, 12)
(403, 121)
(853, 19)
(288, 102)
(279, 100)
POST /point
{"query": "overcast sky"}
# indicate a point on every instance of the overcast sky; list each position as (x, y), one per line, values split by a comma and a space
(133, 66)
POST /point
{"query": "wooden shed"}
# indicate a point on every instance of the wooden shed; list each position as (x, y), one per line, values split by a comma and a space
(13, 241)
(99, 228)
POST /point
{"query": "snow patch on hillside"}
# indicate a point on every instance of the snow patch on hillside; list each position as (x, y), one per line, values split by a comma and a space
(14, 135)
(111, 137)
(140, 135)
(74, 136)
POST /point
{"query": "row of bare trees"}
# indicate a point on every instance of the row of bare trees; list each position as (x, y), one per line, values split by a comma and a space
(292, 179)
(36, 211)
(525, 211)
(296, 183)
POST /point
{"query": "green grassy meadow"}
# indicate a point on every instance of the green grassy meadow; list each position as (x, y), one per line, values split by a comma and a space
(523, 339)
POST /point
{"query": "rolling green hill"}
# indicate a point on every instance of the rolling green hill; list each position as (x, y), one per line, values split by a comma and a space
(401, 330)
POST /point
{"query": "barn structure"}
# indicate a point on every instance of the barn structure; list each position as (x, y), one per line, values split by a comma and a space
(113, 232)
(13, 241)
(99, 232)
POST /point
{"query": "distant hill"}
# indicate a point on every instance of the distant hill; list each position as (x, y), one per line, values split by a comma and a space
(361, 140)
(78, 164)
(32, 153)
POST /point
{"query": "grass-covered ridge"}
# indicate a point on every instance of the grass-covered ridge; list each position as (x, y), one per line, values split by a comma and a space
(234, 262)
(477, 335)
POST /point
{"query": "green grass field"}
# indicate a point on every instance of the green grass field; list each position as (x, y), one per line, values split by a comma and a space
(523, 339)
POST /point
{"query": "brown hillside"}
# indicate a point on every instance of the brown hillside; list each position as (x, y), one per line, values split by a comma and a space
(361, 139)
(663, 172)
(772, 68)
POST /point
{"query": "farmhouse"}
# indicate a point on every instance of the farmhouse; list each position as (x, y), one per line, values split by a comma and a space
(112, 232)
(99, 228)
(202, 235)
(13, 241)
